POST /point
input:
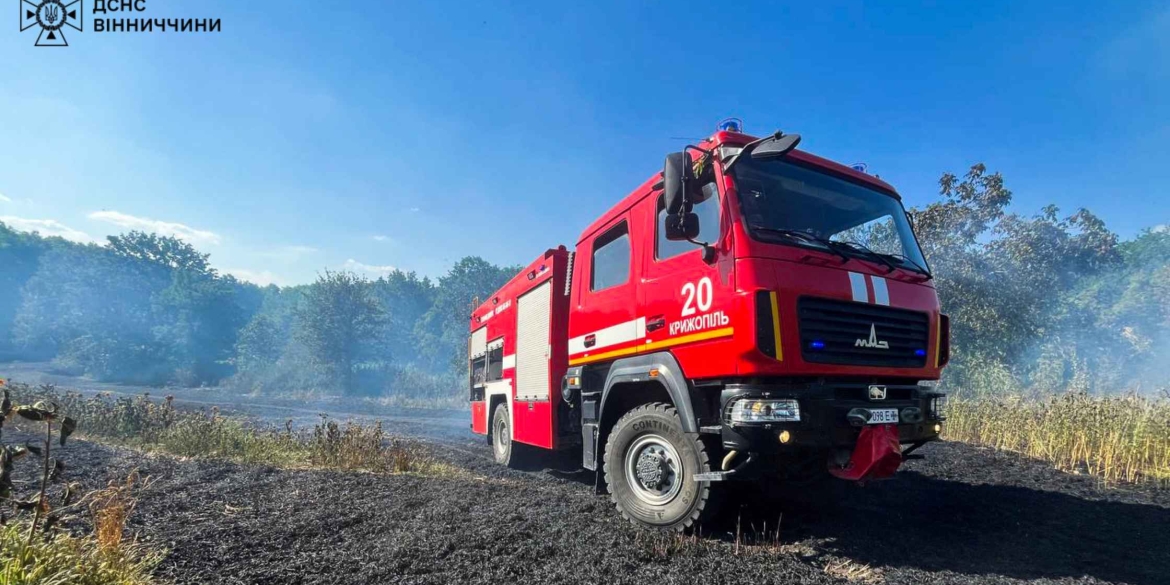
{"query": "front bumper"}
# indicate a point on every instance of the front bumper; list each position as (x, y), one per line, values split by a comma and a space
(824, 416)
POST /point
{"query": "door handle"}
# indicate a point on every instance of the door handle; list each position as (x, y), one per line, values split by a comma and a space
(590, 340)
(656, 323)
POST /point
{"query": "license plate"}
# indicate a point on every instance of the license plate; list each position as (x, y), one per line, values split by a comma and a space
(883, 416)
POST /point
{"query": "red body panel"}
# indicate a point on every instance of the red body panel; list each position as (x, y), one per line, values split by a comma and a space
(533, 421)
(479, 417)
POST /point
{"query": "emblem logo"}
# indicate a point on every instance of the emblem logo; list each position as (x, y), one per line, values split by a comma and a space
(873, 340)
(877, 392)
(52, 16)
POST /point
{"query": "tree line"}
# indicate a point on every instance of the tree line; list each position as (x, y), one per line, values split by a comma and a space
(150, 309)
(1038, 303)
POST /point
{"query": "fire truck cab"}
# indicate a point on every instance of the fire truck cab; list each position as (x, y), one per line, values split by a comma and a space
(753, 312)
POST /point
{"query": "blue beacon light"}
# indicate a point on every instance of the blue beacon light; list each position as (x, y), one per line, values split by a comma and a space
(731, 125)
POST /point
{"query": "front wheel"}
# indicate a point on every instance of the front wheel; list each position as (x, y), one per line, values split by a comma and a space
(649, 463)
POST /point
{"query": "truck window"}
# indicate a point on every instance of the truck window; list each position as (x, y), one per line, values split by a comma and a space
(611, 259)
(706, 207)
(495, 363)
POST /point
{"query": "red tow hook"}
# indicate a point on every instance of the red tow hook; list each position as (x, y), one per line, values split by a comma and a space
(877, 455)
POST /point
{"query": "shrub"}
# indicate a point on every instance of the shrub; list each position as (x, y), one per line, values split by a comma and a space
(145, 423)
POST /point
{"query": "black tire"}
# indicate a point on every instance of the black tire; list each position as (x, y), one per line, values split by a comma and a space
(501, 429)
(650, 491)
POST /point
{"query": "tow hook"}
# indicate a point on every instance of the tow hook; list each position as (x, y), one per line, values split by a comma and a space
(858, 417)
(724, 475)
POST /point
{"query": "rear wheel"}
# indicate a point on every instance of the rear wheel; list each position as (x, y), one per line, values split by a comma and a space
(649, 463)
(502, 436)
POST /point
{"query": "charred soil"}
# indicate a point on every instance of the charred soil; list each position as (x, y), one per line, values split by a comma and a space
(962, 515)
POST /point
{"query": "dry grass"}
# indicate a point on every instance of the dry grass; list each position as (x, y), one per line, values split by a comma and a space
(853, 572)
(157, 425)
(1120, 439)
(111, 508)
(102, 557)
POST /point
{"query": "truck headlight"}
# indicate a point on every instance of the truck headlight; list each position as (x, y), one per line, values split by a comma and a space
(938, 407)
(750, 410)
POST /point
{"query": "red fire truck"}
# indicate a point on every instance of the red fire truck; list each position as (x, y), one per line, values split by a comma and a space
(753, 312)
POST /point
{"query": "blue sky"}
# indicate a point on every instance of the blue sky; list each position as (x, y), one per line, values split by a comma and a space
(370, 135)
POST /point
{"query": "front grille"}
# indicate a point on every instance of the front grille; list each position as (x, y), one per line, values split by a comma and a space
(851, 333)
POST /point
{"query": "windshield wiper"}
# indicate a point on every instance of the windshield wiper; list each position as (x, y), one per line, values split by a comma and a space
(917, 266)
(870, 254)
(799, 235)
(884, 258)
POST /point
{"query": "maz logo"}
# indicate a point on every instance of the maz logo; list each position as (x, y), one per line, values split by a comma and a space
(873, 340)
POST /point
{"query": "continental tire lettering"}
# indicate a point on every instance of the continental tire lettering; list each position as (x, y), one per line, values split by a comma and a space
(655, 425)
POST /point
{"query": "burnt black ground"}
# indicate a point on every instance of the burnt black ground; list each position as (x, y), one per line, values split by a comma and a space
(962, 515)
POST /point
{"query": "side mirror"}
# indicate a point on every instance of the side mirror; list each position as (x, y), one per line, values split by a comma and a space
(678, 171)
(776, 147)
(682, 227)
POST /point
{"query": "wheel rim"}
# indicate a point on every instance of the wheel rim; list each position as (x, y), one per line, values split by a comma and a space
(501, 435)
(654, 470)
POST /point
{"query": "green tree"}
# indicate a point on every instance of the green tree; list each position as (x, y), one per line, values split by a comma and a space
(20, 255)
(442, 332)
(407, 298)
(342, 324)
(1003, 277)
(259, 344)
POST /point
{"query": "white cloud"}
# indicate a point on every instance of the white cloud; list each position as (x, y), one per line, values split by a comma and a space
(381, 238)
(4, 199)
(166, 228)
(48, 228)
(356, 266)
(1160, 228)
(414, 209)
(259, 277)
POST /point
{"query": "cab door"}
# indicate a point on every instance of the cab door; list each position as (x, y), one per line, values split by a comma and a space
(604, 324)
(687, 302)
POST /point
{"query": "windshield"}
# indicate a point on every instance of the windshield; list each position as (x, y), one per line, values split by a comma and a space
(790, 204)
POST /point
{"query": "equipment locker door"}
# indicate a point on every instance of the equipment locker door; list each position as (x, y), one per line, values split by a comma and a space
(532, 343)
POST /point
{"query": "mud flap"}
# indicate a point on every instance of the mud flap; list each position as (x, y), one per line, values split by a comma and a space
(877, 455)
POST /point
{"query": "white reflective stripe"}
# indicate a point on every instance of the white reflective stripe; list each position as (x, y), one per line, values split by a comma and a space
(613, 335)
(857, 283)
(881, 295)
(504, 388)
(509, 361)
